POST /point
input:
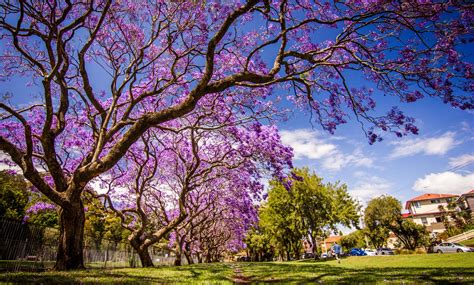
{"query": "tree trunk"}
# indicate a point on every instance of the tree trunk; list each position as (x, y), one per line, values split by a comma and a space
(71, 237)
(179, 250)
(314, 247)
(145, 257)
(177, 260)
(189, 257)
(199, 257)
(142, 251)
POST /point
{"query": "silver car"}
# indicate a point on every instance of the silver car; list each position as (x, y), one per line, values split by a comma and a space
(446, 247)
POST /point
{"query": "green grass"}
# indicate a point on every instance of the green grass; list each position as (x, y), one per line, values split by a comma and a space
(433, 268)
(447, 268)
(215, 273)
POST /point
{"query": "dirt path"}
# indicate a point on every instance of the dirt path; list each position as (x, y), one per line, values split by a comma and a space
(238, 276)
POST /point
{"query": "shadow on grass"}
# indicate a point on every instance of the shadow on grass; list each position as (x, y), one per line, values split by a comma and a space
(270, 272)
(198, 274)
(318, 272)
(85, 277)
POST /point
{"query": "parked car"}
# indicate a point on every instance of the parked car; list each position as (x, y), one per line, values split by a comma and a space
(357, 252)
(370, 252)
(324, 255)
(451, 247)
(384, 251)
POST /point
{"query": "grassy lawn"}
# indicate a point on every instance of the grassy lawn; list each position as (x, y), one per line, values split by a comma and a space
(214, 273)
(444, 268)
(433, 268)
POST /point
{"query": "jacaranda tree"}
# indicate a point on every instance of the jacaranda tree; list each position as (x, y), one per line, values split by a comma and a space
(154, 187)
(102, 73)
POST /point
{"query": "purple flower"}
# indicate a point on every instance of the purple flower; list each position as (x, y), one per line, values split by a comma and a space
(40, 207)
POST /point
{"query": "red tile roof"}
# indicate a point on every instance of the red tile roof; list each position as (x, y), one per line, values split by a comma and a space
(470, 193)
(406, 215)
(332, 239)
(428, 196)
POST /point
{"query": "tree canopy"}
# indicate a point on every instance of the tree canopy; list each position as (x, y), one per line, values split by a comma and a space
(309, 210)
(383, 215)
(103, 73)
(13, 195)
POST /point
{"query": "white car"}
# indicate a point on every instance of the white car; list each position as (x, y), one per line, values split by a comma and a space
(451, 247)
(370, 252)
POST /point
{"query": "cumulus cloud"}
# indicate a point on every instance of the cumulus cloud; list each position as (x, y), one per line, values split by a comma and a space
(308, 144)
(429, 146)
(369, 187)
(445, 182)
(461, 161)
(339, 160)
(3, 165)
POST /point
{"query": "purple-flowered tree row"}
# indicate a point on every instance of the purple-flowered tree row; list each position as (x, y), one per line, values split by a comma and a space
(103, 74)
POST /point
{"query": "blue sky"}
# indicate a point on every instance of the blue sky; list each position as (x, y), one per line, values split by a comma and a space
(438, 160)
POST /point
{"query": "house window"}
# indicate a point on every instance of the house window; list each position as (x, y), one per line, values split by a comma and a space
(424, 221)
(435, 201)
(438, 219)
(416, 204)
(449, 200)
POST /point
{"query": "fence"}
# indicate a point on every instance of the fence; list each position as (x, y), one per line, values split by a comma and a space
(461, 237)
(29, 247)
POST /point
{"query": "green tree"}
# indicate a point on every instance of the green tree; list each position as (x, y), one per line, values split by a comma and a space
(13, 195)
(310, 209)
(383, 215)
(323, 207)
(379, 214)
(102, 224)
(410, 234)
(280, 220)
(354, 239)
(259, 245)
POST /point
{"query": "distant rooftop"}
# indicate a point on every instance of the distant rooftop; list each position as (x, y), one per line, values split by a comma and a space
(429, 196)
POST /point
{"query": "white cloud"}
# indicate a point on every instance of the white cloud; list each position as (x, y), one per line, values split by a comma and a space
(465, 126)
(369, 187)
(306, 143)
(461, 161)
(445, 182)
(339, 160)
(6, 163)
(429, 146)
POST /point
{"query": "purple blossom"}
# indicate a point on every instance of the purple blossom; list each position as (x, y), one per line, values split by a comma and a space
(40, 207)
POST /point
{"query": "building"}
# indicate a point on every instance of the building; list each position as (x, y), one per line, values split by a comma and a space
(466, 202)
(325, 244)
(424, 210)
(329, 242)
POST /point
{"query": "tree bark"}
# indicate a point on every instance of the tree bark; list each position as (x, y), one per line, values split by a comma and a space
(177, 261)
(189, 257)
(142, 251)
(145, 257)
(71, 238)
